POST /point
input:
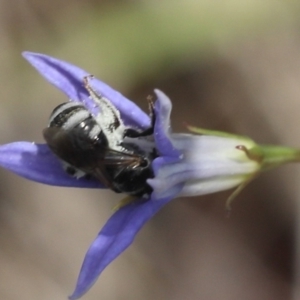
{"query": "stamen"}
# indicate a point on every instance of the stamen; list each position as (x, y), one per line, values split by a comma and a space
(125, 201)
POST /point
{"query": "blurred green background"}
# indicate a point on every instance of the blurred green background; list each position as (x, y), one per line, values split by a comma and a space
(227, 65)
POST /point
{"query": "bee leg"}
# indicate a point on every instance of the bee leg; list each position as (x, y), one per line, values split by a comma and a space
(125, 201)
(107, 109)
(151, 110)
(132, 133)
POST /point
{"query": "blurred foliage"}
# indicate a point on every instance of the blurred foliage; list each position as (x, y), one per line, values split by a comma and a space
(126, 41)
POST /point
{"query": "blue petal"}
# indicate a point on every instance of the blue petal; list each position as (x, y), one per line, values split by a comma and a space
(117, 234)
(36, 162)
(157, 183)
(69, 79)
(163, 107)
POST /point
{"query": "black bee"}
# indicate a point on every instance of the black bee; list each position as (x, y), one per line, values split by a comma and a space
(102, 146)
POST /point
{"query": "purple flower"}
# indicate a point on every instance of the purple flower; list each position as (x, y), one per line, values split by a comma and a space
(187, 164)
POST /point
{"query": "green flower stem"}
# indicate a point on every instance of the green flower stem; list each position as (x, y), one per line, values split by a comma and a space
(274, 156)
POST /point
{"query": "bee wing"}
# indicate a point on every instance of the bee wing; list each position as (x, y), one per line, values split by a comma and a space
(115, 161)
(118, 158)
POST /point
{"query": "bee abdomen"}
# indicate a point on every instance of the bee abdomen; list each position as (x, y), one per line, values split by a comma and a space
(68, 115)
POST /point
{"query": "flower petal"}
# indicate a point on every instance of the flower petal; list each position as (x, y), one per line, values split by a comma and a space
(69, 79)
(36, 162)
(163, 107)
(117, 234)
(209, 164)
(158, 184)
